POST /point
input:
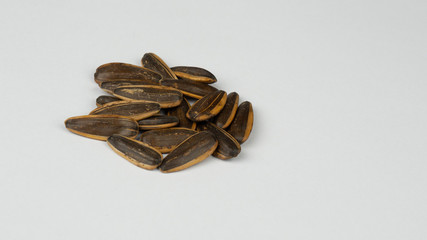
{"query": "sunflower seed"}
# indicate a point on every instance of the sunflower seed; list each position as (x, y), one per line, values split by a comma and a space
(155, 63)
(228, 147)
(101, 127)
(165, 140)
(157, 122)
(226, 116)
(109, 86)
(193, 150)
(189, 88)
(136, 152)
(194, 74)
(134, 110)
(241, 126)
(165, 96)
(207, 107)
(111, 71)
(104, 99)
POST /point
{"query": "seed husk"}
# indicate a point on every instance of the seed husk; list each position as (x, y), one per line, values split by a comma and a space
(207, 107)
(194, 73)
(104, 99)
(155, 63)
(109, 86)
(192, 151)
(165, 96)
(166, 140)
(101, 127)
(112, 71)
(189, 88)
(180, 112)
(134, 110)
(157, 122)
(226, 116)
(241, 126)
(136, 152)
(228, 147)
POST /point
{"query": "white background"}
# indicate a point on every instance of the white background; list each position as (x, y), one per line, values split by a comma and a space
(338, 148)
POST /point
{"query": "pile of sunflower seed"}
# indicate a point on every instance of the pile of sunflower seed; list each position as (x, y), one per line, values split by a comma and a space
(148, 114)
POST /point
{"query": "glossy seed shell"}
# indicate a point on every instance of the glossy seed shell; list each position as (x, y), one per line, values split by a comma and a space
(180, 112)
(207, 107)
(109, 86)
(228, 147)
(111, 71)
(189, 88)
(104, 99)
(165, 96)
(155, 63)
(194, 74)
(241, 126)
(226, 116)
(136, 152)
(157, 122)
(101, 127)
(192, 151)
(134, 110)
(166, 140)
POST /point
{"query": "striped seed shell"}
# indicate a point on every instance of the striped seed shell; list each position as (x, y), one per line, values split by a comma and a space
(207, 107)
(158, 122)
(241, 126)
(192, 151)
(155, 63)
(101, 127)
(109, 86)
(134, 110)
(136, 152)
(104, 99)
(115, 70)
(189, 88)
(180, 112)
(226, 116)
(228, 147)
(166, 140)
(194, 74)
(165, 96)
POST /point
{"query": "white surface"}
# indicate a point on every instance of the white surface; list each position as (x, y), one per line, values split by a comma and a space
(338, 149)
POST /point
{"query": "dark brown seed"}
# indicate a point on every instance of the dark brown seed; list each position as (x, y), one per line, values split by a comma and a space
(101, 127)
(155, 63)
(134, 110)
(207, 107)
(157, 122)
(109, 86)
(180, 113)
(228, 147)
(104, 99)
(111, 71)
(194, 74)
(241, 126)
(165, 96)
(193, 150)
(135, 151)
(166, 140)
(226, 116)
(189, 88)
